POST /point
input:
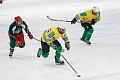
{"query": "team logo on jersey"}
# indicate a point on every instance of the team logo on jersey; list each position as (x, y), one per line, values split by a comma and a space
(17, 31)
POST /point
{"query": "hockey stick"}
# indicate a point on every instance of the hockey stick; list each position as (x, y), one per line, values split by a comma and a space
(71, 66)
(64, 58)
(60, 20)
(37, 39)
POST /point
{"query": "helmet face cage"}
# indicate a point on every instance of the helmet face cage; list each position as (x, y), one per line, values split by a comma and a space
(95, 9)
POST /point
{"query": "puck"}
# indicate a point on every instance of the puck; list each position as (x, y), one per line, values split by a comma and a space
(78, 75)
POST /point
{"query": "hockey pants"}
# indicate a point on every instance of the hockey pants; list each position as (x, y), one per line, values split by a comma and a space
(87, 34)
(19, 37)
(46, 48)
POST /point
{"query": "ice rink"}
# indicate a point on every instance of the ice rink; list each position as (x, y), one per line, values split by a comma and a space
(100, 61)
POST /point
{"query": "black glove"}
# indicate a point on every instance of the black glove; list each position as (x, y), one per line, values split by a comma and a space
(53, 46)
(93, 21)
(67, 45)
(73, 21)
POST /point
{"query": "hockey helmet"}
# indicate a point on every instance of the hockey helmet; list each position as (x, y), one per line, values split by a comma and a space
(18, 18)
(62, 26)
(95, 9)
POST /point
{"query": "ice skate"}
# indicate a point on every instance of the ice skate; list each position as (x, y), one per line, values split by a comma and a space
(82, 40)
(88, 42)
(58, 61)
(38, 53)
(11, 52)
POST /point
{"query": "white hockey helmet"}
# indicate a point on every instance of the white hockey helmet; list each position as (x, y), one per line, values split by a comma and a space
(62, 26)
(95, 9)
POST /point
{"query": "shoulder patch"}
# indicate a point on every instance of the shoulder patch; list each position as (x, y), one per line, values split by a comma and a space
(83, 14)
(51, 34)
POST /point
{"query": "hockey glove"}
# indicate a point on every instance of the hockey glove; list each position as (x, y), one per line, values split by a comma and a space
(30, 36)
(1, 1)
(93, 21)
(53, 46)
(19, 43)
(67, 45)
(73, 21)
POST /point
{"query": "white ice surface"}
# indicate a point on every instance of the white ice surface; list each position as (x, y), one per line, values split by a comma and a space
(100, 61)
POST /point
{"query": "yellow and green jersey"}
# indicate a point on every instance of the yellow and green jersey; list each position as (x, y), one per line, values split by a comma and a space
(53, 34)
(87, 16)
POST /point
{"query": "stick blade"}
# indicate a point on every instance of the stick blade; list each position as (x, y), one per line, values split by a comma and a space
(48, 17)
(51, 19)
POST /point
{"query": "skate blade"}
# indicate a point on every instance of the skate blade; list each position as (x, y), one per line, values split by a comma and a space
(88, 44)
(10, 56)
(59, 63)
(38, 55)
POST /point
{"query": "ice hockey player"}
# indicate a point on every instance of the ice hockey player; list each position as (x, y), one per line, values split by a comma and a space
(88, 18)
(16, 34)
(50, 38)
